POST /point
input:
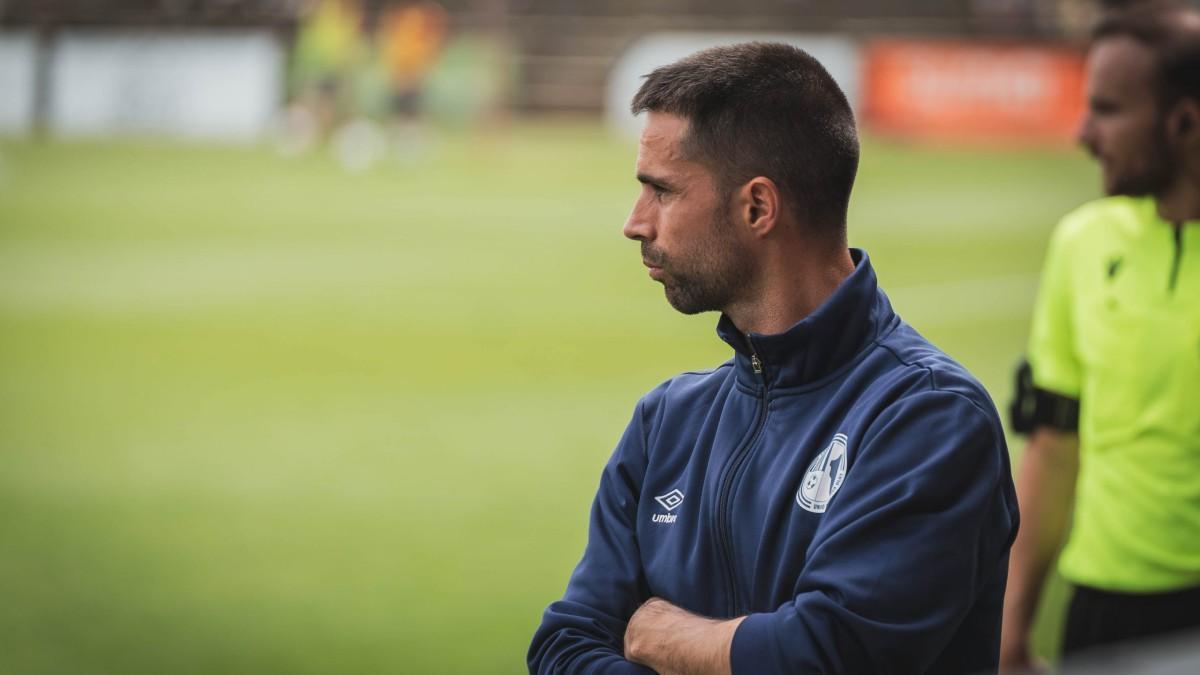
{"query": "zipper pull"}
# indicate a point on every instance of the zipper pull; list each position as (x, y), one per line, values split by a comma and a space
(756, 364)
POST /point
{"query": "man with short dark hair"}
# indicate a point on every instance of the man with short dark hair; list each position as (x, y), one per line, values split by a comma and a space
(834, 498)
(1111, 397)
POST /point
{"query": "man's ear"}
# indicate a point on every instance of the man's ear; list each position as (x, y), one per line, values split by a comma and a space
(1183, 124)
(760, 205)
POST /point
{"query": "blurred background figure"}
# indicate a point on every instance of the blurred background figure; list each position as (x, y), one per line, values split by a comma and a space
(334, 408)
(328, 49)
(410, 36)
(358, 78)
(1110, 393)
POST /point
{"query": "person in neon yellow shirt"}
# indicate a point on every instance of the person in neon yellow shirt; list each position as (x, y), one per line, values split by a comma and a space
(1111, 393)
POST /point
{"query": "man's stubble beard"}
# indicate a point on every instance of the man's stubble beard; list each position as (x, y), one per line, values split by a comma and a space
(1157, 174)
(709, 277)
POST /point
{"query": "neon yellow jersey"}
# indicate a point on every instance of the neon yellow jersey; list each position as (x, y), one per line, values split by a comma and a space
(1117, 325)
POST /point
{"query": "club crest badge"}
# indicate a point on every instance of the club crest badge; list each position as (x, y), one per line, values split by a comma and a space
(824, 476)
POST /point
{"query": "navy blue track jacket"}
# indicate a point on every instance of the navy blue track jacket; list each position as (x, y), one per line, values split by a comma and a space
(845, 484)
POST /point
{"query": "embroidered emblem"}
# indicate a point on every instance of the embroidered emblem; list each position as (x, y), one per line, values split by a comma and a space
(671, 500)
(824, 477)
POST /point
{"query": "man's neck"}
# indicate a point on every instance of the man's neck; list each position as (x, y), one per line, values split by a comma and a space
(792, 289)
(1181, 200)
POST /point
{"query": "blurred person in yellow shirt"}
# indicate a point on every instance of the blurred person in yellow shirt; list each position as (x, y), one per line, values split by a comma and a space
(1111, 394)
(329, 46)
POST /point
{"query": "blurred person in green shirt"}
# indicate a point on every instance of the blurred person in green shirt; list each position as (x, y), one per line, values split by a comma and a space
(1110, 396)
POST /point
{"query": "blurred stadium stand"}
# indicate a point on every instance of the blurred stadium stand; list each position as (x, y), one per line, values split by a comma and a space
(564, 49)
(50, 13)
(562, 52)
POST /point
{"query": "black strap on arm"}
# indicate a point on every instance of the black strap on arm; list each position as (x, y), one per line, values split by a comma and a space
(1032, 407)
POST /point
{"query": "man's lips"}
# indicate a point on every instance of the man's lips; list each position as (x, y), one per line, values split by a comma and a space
(654, 270)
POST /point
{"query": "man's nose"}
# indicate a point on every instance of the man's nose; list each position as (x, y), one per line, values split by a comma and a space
(1085, 133)
(638, 226)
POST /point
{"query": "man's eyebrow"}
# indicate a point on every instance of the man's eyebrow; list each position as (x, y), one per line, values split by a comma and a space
(647, 179)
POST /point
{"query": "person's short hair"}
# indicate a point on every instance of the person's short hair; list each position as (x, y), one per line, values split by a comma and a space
(1172, 32)
(764, 109)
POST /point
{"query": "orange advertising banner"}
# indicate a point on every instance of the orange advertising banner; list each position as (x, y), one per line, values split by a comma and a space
(962, 91)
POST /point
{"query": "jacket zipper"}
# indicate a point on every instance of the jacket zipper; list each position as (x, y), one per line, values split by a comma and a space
(724, 495)
(1177, 259)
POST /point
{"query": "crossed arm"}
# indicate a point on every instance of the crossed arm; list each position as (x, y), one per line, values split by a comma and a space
(847, 612)
(670, 640)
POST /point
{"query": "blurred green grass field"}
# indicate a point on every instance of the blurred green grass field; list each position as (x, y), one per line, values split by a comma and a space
(260, 415)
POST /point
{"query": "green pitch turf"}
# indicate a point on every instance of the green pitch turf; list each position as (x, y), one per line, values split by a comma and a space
(260, 415)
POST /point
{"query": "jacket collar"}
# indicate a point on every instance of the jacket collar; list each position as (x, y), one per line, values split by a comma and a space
(821, 343)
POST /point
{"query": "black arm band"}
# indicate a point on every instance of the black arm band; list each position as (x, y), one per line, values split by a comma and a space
(1032, 407)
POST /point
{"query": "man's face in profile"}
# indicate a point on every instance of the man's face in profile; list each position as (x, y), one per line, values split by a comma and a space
(689, 239)
(1123, 128)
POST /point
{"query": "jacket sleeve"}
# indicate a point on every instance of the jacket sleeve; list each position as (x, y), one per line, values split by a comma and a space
(585, 631)
(923, 521)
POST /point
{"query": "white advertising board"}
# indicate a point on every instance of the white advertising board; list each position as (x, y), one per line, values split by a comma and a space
(18, 58)
(201, 84)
